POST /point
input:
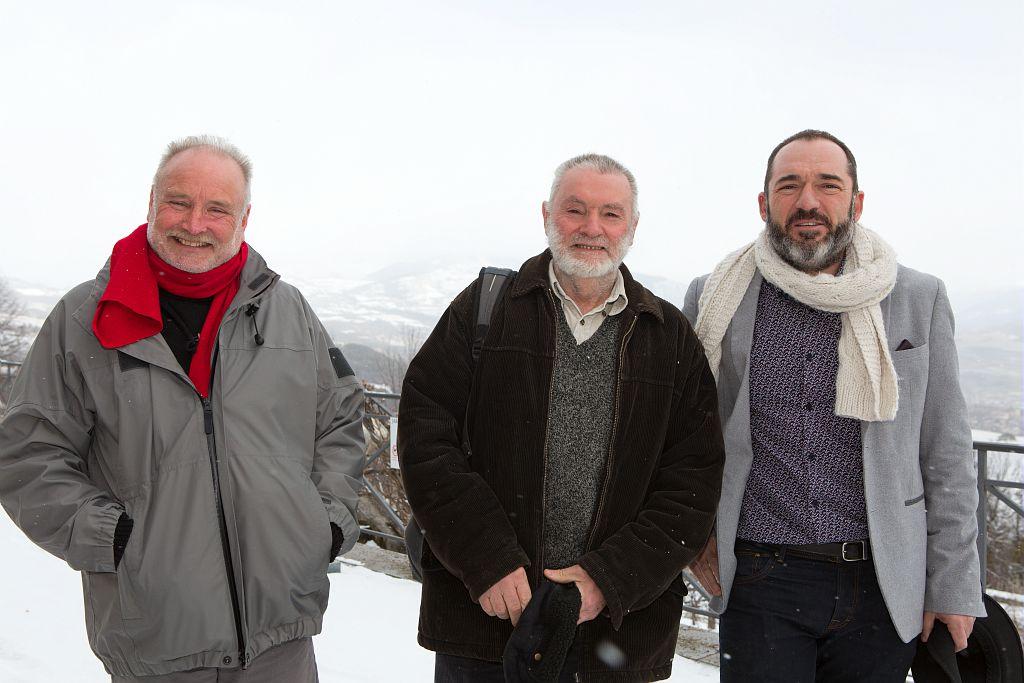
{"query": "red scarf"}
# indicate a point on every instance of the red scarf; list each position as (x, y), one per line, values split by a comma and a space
(129, 309)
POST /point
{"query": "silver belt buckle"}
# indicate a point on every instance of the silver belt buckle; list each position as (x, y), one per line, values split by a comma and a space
(854, 557)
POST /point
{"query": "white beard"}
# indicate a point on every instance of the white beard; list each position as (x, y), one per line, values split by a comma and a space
(570, 264)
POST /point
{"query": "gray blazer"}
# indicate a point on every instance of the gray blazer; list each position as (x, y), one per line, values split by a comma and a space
(919, 476)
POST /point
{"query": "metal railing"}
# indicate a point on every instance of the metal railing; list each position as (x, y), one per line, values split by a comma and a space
(378, 400)
(982, 450)
(9, 367)
(993, 486)
(985, 485)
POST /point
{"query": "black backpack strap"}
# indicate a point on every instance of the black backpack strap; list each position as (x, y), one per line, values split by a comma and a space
(492, 285)
(493, 282)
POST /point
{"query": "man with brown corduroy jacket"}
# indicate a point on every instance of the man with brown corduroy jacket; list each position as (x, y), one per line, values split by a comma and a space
(583, 446)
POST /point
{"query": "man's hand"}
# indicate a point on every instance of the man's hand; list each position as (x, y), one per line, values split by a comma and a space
(959, 625)
(705, 567)
(592, 599)
(508, 598)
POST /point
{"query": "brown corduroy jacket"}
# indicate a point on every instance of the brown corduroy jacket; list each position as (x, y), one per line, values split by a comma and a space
(478, 489)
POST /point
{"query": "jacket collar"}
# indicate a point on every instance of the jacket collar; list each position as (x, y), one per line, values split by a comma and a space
(256, 278)
(533, 275)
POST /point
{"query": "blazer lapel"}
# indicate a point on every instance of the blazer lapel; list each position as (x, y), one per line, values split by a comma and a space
(741, 329)
(734, 396)
(875, 435)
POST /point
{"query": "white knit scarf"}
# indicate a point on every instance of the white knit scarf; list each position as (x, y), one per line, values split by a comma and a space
(866, 385)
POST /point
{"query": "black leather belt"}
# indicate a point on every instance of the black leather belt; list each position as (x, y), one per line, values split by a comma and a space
(850, 551)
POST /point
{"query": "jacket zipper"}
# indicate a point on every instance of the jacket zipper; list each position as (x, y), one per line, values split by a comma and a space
(547, 426)
(611, 444)
(211, 445)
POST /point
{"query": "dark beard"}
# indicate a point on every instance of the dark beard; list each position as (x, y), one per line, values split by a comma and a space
(811, 257)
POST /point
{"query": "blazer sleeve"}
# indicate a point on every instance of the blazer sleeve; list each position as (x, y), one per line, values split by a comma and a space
(690, 308)
(953, 584)
(463, 521)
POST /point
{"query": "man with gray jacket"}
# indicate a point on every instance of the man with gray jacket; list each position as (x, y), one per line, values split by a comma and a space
(185, 434)
(846, 525)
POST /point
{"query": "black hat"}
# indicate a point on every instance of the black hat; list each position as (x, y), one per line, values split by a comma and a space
(537, 649)
(935, 661)
(993, 654)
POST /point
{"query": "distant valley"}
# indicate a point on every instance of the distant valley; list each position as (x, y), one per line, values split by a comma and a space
(378, 319)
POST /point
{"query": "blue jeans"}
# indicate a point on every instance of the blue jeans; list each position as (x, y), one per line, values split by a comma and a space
(792, 619)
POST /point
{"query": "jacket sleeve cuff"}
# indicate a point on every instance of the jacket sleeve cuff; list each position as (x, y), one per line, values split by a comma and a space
(941, 607)
(93, 537)
(955, 600)
(478, 583)
(595, 567)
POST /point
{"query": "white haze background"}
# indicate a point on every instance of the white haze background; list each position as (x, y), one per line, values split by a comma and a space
(403, 131)
(393, 135)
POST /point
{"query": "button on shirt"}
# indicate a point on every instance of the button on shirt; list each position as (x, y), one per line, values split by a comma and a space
(806, 482)
(584, 325)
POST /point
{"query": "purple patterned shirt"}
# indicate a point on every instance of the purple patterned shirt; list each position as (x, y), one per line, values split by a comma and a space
(806, 483)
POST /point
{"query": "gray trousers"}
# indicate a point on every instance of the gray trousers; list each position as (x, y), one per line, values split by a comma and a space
(291, 662)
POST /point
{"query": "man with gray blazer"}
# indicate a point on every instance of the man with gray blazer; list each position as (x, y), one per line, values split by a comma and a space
(847, 524)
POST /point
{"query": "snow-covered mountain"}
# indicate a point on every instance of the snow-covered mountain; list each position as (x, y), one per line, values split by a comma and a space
(381, 309)
(36, 300)
(395, 307)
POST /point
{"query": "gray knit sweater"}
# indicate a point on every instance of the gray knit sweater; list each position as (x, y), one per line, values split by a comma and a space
(579, 429)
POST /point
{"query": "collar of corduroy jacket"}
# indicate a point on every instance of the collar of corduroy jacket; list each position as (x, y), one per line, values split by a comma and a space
(534, 275)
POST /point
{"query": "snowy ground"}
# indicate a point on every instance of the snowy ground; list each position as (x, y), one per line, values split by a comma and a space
(369, 631)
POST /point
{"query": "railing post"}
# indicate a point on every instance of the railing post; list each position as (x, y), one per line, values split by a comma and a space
(983, 515)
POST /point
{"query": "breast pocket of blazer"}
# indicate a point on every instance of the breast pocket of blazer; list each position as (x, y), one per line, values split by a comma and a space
(911, 367)
(912, 372)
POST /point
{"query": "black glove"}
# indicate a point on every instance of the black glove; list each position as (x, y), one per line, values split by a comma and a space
(337, 540)
(122, 532)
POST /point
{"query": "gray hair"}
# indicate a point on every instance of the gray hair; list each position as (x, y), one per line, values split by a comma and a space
(601, 164)
(213, 143)
(811, 134)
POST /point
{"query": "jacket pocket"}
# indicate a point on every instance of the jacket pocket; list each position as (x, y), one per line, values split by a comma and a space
(678, 588)
(105, 624)
(906, 354)
(127, 570)
(126, 594)
(324, 532)
(429, 561)
(914, 501)
(284, 538)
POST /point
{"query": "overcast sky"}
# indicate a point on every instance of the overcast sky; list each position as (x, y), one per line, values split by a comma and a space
(404, 131)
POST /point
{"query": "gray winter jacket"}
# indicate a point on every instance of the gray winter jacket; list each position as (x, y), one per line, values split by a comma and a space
(231, 497)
